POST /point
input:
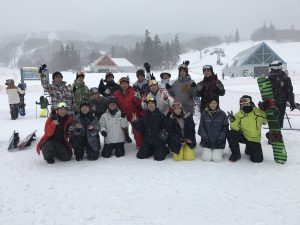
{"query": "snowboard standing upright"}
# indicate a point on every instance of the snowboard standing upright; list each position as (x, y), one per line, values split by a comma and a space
(266, 91)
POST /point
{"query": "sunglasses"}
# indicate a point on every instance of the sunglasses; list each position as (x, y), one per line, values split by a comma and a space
(61, 105)
(245, 101)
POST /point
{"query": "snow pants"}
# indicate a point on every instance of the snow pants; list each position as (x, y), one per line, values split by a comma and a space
(158, 151)
(54, 149)
(81, 145)
(281, 108)
(14, 111)
(108, 150)
(253, 149)
(43, 112)
(185, 153)
(209, 154)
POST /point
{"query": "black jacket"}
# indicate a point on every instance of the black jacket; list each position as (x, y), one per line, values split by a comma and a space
(213, 128)
(151, 125)
(176, 136)
(282, 87)
(108, 89)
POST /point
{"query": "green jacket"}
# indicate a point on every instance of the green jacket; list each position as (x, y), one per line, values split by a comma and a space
(80, 92)
(249, 124)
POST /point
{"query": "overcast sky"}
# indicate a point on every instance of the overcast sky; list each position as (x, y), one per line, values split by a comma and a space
(105, 17)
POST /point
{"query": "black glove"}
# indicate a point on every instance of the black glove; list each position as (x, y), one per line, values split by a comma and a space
(152, 77)
(147, 67)
(263, 105)
(122, 115)
(103, 133)
(292, 106)
(219, 85)
(42, 68)
(193, 84)
(101, 82)
(163, 135)
(168, 86)
(128, 139)
(231, 117)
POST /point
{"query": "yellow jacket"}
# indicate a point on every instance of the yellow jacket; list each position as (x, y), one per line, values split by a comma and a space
(249, 124)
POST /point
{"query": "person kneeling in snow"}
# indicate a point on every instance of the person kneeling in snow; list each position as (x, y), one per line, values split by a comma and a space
(55, 141)
(114, 129)
(86, 133)
(212, 129)
(154, 128)
(182, 140)
(246, 128)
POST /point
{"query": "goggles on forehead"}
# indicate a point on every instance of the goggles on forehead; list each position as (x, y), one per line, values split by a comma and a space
(61, 105)
(176, 105)
(150, 99)
(207, 67)
(245, 101)
(152, 82)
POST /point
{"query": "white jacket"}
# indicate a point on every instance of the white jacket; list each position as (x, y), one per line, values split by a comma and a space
(113, 125)
(162, 104)
(13, 95)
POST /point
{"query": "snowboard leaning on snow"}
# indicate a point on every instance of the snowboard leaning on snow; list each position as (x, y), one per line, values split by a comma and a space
(266, 91)
(13, 143)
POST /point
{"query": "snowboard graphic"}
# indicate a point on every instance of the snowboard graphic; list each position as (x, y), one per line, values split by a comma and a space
(266, 91)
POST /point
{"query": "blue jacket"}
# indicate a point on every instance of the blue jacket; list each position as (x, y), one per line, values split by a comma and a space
(213, 128)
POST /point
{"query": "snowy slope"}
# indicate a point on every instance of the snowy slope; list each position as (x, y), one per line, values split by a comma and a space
(131, 191)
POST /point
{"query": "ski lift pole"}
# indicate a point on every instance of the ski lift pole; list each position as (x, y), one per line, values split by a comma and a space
(35, 110)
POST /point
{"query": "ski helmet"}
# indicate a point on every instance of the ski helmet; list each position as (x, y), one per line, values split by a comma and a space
(165, 73)
(275, 65)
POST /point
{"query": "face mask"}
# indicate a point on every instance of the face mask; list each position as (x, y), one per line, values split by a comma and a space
(247, 109)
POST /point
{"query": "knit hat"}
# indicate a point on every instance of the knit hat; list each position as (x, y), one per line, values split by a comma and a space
(109, 74)
(55, 74)
(80, 74)
(112, 100)
(161, 75)
(85, 102)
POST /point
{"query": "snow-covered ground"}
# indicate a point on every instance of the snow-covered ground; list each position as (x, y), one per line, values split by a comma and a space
(131, 191)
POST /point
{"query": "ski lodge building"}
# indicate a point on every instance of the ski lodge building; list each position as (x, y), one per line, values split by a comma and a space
(253, 61)
(116, 65)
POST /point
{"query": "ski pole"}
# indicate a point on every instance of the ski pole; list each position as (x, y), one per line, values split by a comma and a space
(288, 119)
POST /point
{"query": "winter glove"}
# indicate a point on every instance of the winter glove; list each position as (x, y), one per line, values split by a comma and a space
(137, 95)
(193, 84)
(147, 67)
(103, 133)
(152, 77)
(231, 117)
(42, 69)
(163, 135)
(101, 82)
(263, 105)
(168, 86)
(219, 85)
(292, 106)
(122, 115)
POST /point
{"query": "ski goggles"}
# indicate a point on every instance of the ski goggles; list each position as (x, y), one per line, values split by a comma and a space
(176, 105)
(152, 82)
(244, 101)
(207, 67)
(150, 99)
(61, 105)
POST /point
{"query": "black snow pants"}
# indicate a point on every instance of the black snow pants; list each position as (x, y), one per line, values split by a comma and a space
(80, 145)
(159, 152)
(253, 149)
(108, 150)
(14, 111)
(54, 149)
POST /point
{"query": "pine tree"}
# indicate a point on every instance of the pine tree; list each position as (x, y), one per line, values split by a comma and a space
(158, 52)
(148, 48)
(237, 36)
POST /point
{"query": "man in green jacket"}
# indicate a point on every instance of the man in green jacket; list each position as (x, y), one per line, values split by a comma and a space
(80, 90)
(246, 128)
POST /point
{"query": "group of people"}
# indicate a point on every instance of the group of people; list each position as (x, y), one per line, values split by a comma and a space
(161, 116)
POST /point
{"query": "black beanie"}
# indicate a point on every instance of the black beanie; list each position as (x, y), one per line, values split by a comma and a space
(56, 74)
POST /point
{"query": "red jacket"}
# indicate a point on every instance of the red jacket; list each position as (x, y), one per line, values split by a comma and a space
(50, 131)
(129, 103)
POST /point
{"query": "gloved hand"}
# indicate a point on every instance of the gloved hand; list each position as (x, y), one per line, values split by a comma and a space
(42, 68)
(122, 115)
(163, 135)
(152, 77)
(219, 85)
(103, 133)
(193, 84)
(101, 82)
(231, 117)
(168, 86)
(147, 67)
(263, 105)
(292, 106)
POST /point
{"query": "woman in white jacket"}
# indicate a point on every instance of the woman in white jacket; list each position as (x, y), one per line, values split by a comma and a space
(13, 98)
(113, 125)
